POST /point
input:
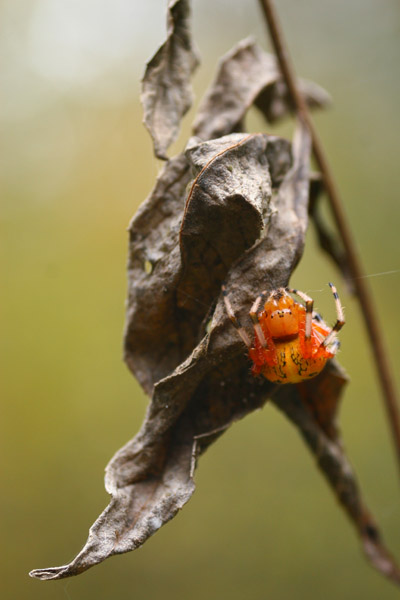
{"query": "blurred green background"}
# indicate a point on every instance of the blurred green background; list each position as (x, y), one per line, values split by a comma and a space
(76, 164)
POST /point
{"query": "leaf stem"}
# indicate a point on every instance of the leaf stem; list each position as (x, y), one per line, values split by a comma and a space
(361, 287)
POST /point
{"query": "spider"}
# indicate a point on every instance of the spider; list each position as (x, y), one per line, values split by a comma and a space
(291, 342)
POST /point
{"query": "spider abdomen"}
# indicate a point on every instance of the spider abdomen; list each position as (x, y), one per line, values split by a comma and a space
(291, 365)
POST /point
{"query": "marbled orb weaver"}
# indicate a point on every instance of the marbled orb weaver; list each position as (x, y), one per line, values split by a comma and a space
(291, 342)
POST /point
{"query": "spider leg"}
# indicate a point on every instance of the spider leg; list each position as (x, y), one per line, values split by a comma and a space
(256, 322)
(309, 302)
(340, 321)
(235, 321)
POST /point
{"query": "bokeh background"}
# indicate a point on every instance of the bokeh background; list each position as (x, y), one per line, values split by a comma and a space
(76, 163)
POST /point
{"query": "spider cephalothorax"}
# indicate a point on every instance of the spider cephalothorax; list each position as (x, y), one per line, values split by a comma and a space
(291, 342)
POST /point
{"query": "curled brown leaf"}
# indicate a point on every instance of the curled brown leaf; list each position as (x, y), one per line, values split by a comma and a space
(211, 387)
(312, 407)
(248, 76)
(190, 235)
(166, 90)
(327, 240)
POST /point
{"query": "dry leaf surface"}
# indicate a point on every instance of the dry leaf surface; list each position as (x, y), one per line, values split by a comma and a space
(191, 239)
(166, 89)
(312, 407)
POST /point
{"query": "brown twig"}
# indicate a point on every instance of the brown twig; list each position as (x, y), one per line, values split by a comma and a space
(362, 290)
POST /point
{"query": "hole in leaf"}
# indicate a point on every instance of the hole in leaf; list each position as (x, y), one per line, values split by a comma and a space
(208, 325)
(148, 267)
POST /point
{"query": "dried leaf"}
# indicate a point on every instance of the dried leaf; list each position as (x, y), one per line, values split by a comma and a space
(327, 240)
(166, 90)
(312, 406)
(247, 75)
(274, 101)
(152, 348)
(166, 307)
(231, 193)
(151, 477)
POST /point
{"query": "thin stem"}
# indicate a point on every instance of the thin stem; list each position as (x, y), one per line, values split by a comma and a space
(361, 287)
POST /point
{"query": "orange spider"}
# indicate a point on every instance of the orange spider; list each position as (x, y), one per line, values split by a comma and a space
(291, 342)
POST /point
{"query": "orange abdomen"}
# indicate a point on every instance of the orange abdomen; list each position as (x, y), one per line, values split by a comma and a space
(291, 366)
